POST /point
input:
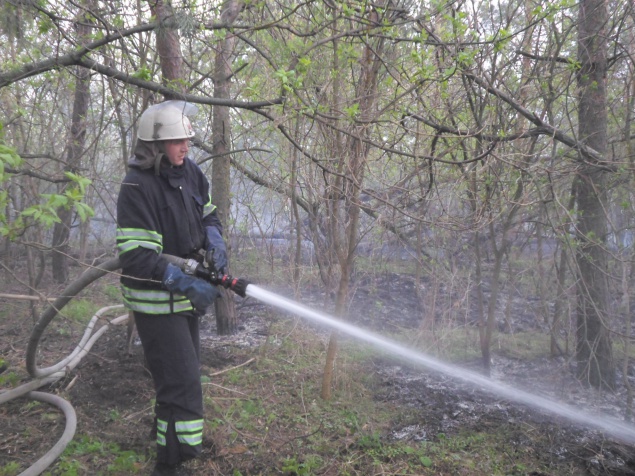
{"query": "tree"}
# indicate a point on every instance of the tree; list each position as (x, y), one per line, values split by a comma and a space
(75, 153)
(221, 149)
(345, 191)
(447, 130)
(594, 353)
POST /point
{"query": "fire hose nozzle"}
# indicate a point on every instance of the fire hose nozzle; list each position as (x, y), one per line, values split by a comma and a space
(238, 285)
(194, 268)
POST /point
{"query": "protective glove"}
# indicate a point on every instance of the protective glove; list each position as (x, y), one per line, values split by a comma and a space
(216, 254)
(200, 293)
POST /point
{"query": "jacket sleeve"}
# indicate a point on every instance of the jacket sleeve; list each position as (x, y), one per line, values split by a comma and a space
(210, 215)
(213, 221)
(139, 238)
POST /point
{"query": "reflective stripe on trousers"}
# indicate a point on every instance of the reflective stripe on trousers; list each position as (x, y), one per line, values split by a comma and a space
(188, 432)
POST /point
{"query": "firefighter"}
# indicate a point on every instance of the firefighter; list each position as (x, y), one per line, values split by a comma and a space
(164, 206)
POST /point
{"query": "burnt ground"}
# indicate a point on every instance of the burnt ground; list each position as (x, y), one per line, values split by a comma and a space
(112, 393)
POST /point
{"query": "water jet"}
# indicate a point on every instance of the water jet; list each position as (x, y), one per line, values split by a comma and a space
(610, 426)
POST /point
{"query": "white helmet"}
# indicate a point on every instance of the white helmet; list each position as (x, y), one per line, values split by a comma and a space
(167, 120)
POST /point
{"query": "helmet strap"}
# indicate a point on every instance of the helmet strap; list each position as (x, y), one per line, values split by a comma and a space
(157, 163)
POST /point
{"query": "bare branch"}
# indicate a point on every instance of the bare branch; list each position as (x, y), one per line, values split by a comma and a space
(588, 152)
(159, 88)
(555, 59)
(30, 173)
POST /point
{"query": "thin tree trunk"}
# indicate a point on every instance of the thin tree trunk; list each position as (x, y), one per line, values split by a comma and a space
(326, 270)
(561, 296)
(297, 258)
(221, 146)
(347, 211)
(594, 354)
(628, 273)
(77, 139)
(628, 277)
(168, 48)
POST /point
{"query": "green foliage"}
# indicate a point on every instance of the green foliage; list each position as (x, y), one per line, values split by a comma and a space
(289, 79)
(446, 451)
(9, 379)
(8, 157)
(43, 213)
(45, 24)
(244, 412)
(308, 466)
(126, 462)
(112, 292)
(80, 310)
(84, 449)
(9, 469)
(370, 442)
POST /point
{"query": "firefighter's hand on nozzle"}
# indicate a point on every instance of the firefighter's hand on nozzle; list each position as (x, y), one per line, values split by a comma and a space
(216, 251)
(200, 293)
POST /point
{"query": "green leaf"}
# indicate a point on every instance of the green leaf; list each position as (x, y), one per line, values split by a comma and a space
(55, 200)
(143, 73)
(84, 211)
(31, 211)
(9, 156)
(45, 25)
(352, 111)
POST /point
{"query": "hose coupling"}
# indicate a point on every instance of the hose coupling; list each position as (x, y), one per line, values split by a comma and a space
(190, 265)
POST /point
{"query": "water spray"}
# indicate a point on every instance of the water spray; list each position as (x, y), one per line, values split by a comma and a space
(242, 287)
(610, 426)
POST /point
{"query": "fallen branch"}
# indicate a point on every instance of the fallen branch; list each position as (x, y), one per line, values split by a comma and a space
(25, 297)
(232, 368)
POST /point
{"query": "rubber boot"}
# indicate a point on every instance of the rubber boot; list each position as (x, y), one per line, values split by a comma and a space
(162, 469)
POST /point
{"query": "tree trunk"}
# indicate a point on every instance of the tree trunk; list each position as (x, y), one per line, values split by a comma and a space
(345, 218)
(297, 257)
(594, 354)
(77, 139)
(221, 146)
(629, 280)
(169, 48)
(561, 297)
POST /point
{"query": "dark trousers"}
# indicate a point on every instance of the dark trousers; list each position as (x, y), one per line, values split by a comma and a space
(171, 347)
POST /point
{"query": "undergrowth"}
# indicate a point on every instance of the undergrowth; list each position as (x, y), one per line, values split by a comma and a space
(89, 455)
(271, 410)
(267, 417)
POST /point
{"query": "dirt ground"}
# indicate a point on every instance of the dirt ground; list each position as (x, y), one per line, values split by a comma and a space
(112, 394)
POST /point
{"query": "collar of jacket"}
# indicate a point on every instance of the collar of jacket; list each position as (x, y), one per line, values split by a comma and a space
(173, 174)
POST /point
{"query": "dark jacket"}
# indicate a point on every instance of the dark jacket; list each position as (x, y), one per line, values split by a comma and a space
(164, 213)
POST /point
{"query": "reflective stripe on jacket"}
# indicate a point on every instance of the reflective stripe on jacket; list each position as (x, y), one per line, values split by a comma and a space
(151, 301)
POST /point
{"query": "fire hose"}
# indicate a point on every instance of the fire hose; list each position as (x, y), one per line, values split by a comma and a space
(48, 375)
